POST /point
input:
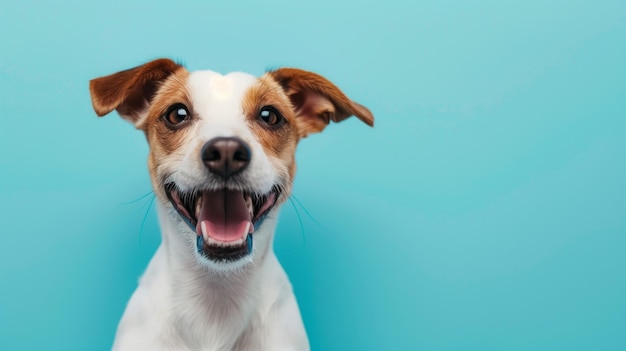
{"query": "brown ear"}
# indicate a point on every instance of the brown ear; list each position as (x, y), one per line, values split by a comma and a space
(130, 91)
(317, 101)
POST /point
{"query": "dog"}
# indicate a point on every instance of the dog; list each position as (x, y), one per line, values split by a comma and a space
(221, 161)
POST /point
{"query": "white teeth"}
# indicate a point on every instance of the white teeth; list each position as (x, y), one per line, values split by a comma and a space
(205, 231)
(249, 205)
(212, 242)
(198, 206)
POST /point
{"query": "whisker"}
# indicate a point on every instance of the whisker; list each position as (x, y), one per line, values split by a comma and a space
(299, 221)
(139, 198)
(307, 212)
(145, 216)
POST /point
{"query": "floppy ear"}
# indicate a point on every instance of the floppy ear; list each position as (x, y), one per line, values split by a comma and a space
(130, 91)
(317, 101)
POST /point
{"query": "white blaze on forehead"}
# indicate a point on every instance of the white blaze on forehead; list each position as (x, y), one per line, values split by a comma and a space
(210, 86)
(217, 99)
(221, 87)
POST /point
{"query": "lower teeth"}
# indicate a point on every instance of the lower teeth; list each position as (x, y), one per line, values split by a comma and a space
(249, 205)
(198, 206)
(212, 242)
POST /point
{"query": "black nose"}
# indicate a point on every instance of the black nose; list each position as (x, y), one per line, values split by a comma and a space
(226, 156)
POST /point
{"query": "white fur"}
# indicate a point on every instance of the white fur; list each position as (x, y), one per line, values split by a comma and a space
(186, 302)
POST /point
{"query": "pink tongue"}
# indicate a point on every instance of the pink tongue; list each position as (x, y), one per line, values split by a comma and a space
(224, 214)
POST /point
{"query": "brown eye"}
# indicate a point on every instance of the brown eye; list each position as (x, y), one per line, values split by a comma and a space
(177, 114)
(270, 116)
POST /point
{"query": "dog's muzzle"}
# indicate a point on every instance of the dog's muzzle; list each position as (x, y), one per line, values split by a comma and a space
(223, 219)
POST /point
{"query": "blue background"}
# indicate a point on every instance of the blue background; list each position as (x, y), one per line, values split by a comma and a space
(485, 211)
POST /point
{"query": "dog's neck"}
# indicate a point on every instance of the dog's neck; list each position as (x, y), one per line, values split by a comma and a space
(204, 297)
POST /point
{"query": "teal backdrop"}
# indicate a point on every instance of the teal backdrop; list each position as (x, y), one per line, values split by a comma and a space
(485, 211)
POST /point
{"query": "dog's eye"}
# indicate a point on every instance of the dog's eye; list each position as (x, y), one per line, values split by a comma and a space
(270, 116)
(177, 114)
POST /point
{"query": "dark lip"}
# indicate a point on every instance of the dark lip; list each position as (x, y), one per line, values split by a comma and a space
(188, 201)
(224, 254)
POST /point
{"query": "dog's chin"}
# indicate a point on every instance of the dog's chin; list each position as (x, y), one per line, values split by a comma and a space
(222, 222)
(208, 258)
(226, 266)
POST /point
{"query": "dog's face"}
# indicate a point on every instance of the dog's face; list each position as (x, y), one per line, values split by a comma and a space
(222, 147)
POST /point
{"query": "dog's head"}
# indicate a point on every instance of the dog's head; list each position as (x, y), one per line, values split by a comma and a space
(222, 147)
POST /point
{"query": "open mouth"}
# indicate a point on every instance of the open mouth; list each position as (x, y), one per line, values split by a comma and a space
(224, 219)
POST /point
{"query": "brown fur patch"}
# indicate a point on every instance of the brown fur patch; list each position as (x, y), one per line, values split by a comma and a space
(317, 101)
(130, 91)
(278, 143)
(163, 140)
(171, 92)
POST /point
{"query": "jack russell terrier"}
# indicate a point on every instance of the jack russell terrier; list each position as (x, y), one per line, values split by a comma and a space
(221, 162)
